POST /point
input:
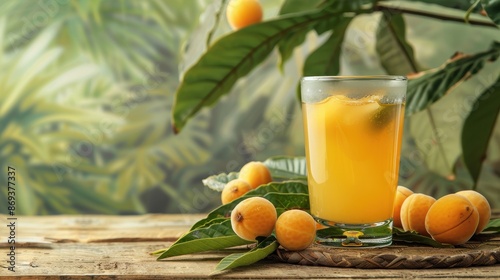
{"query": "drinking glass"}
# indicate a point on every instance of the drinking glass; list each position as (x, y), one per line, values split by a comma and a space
(353, 127)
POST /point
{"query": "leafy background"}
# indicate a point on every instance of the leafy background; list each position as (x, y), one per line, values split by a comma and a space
(87, 90)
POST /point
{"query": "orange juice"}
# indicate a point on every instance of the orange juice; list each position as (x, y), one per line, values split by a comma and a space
(352, 150)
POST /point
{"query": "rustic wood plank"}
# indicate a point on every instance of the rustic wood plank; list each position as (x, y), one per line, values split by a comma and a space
(132, 260)
(60, 229)
(108, 247)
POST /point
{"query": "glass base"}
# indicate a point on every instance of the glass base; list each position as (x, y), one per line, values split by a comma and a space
(355, 235)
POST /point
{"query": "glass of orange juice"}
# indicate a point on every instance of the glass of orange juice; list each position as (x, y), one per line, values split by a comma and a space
(353, 128)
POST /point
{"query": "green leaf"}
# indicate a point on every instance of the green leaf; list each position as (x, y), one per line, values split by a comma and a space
(493, 225)
(215, 221)
(210, 21)
(325, 60)
(283, 167)
(492, 8)
(217, 182)
(288, 44)
(395, 53)
(297, 6)
(329, 231)
(289, 201)
(413, 237)
(292, 194)
(213, 237)
(230, 58)
(445, 9)
(478, 129)
(261, 251)
(463, 5)
(429, 86)
(342, 11)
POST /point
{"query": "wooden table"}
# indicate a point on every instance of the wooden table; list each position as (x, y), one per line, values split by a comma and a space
(109, 247)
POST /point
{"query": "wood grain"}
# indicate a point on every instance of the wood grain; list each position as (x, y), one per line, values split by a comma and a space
(89, 229)
(109, 247)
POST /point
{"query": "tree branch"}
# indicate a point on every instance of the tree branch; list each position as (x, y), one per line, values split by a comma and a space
(382, 7)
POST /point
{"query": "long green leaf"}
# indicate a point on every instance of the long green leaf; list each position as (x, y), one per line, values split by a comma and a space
(492, 8)
(297, 6)
(397, 56)
(463, 5)
(281, 167)
(287, 201)
(214, 237)
(478, 128)
(493, 226)
(230, 58)
(342, 11)
(287, 45)
(291, 168)
(445, 10)
(325, 60)
(413, 237)
(282, 202)
(217, 182)
(427, 87)
(282, 188)
(205, 32)
(395, 53)
(261, 251)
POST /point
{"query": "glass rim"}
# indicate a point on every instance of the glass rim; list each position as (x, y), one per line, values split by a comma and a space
(354, 78)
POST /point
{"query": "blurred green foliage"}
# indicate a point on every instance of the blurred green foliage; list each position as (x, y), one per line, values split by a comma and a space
(87, 87)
